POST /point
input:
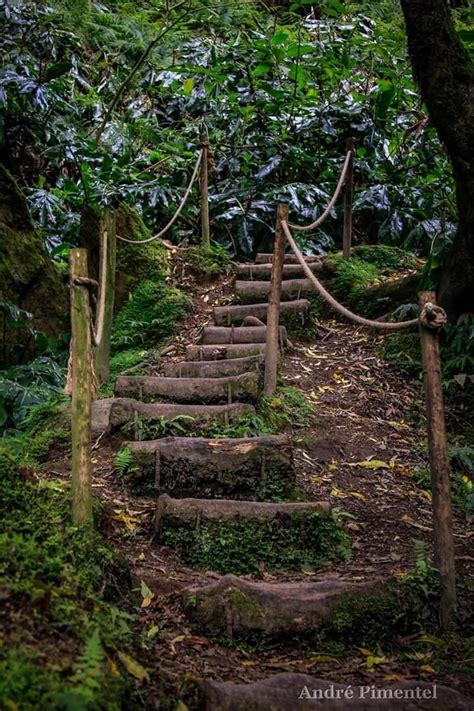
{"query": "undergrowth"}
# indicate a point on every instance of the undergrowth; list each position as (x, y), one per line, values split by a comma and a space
(69, 583)
(207, 261)
(150, 316)
(306, 541)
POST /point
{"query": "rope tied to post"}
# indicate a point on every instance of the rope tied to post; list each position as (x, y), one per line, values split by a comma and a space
(433, 316)
(178, 211)
(322, 291)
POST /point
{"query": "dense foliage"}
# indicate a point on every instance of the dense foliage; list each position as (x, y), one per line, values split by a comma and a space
(278, 95)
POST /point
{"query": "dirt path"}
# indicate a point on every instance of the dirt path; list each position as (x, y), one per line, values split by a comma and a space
(359, 451)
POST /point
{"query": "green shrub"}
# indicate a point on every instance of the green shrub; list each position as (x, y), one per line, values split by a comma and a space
(67, 579)
(208, 261)
(150, 316)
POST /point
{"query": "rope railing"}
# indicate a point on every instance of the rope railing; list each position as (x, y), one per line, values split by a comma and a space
(322, 291)
(332, 202)
(178, 211)
(98, 331)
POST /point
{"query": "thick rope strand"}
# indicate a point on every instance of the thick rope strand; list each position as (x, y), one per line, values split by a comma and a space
(380, 325)
(332, 202)
(177, 213)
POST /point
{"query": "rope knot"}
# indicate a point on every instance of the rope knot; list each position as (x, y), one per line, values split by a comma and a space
(90, 284)
(433, 316)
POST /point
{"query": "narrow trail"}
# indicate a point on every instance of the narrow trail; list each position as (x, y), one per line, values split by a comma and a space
(357, 452)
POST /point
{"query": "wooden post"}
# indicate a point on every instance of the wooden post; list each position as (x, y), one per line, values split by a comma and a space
(81, 355)
(439, 466)
(273, 312)
(102, 351)
(204, 184)
(348, 193)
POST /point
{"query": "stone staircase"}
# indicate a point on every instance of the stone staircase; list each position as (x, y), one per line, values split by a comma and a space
(213, 506)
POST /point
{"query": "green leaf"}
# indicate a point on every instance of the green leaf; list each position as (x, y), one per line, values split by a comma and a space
(261, 69)
(188, 86)
(57, 70)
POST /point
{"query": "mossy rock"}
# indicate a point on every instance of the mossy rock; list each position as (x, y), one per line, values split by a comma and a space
(135, 263)
(207, 262)
(28, 277)
(241, 546)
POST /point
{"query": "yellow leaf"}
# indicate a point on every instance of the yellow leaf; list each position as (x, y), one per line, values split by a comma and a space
(393, 677)
(147, 594)
(180, 706)
(365, 652)
(427, 495)
(133, 667)
(374, 661)
(426, 668)
(410, 522)
(152, 631)
(247, 663)
(338, 493)
(177, 639)
(358, 495)
(374, 464)
(131, 522)
(321, 659)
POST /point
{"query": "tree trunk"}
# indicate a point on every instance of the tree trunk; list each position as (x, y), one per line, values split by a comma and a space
(445, 74)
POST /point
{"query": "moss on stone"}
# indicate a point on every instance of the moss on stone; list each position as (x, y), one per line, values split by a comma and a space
(241, 546)
(29, 279)
(207, 261)
(140, 262)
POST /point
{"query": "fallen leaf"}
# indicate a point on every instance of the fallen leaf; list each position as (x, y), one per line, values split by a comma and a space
(374, 464)
(133, 667)
(375, 661)
(147, 594)
(410, 522)
(175, 641)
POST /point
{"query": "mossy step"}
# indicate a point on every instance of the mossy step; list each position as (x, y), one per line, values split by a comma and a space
(254, 468)
(238, 334)
(232, 388)
(234, 605)
(235, 314)
(246, 536)
(222, 352)
(267, 257)
(264, 271)
(289, 690)
(213, 368)
(145, 416)
(254, 291)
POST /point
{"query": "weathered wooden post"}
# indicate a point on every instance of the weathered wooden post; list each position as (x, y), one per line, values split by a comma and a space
(82, 383)
(102, 351)
(204, 185)
(348, 196)
(432, 318)
(273, 312)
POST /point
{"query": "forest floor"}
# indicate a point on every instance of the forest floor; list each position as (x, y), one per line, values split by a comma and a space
(361, 450)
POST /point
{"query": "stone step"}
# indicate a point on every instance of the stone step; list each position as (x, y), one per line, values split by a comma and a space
(267, 258)
(233, 605)
(232, 388)
(232, 468)
(238, 334)
(289, 690)
(149, 416)
(264, 271)
(256, 291)
(235, 314)
(243, 537)
(213, 368)
(220, 352)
